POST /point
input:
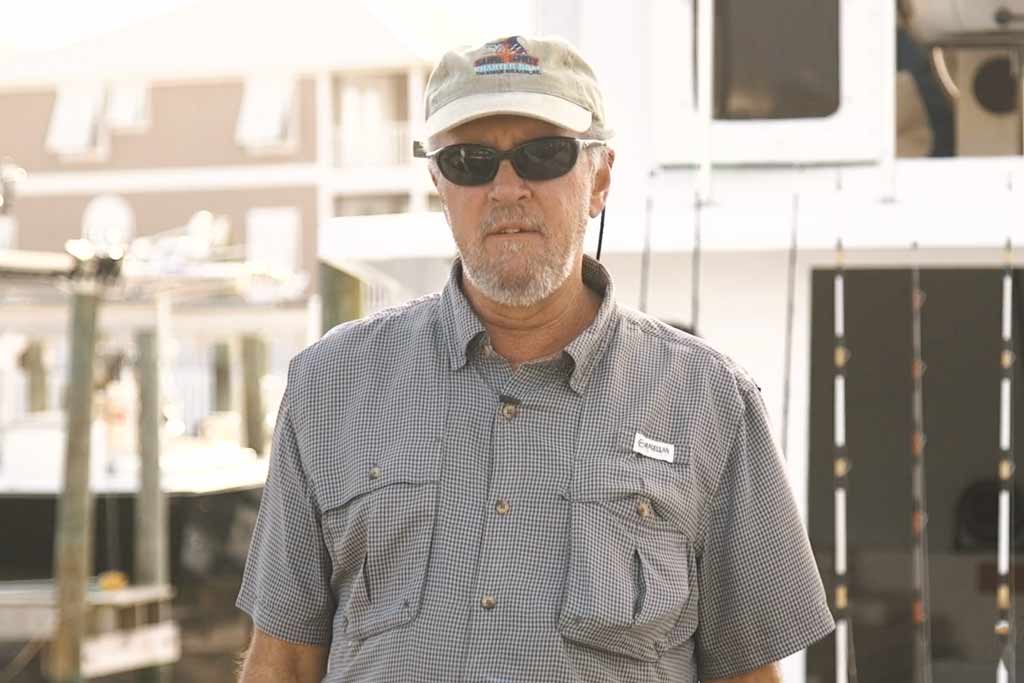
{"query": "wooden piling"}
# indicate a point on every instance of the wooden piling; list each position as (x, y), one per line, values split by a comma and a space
(152, 562)
(341, 296)
(73, 543)
(34, 365)
(254, 367)
(222, 377)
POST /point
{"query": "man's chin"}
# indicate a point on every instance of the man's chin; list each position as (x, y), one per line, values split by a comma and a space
(518, 288)
(514, 287)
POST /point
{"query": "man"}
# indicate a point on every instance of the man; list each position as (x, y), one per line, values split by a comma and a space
(516, 480)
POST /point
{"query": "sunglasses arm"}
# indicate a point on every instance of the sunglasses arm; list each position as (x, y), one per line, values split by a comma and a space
(419, 151)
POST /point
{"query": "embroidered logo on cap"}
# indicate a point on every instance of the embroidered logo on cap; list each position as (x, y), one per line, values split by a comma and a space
(508, 56)
(653, 449)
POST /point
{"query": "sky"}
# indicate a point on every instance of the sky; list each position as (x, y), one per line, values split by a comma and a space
(50, 24)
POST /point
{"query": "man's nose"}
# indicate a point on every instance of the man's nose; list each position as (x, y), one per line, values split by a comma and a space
(507, 186)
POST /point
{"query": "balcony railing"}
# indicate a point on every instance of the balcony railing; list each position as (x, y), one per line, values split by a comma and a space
(387, 143)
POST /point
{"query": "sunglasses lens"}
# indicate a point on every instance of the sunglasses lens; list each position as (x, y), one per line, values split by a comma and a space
(541, 159)
(546, 158)
(468, 164)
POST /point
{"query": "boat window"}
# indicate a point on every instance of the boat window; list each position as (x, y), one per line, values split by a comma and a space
(776, 60)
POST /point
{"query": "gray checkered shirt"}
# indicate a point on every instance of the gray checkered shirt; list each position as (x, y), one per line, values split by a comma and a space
(433, 515)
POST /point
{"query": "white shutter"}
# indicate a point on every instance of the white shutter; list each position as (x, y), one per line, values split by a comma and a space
(76, 124)
(267, 121)
(128, 107)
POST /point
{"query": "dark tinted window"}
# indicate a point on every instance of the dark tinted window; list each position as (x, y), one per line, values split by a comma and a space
(776, 60)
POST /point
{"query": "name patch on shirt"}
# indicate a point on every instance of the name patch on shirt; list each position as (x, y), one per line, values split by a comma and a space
(653, 449)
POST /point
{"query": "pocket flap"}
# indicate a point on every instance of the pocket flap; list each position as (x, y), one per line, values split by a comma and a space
(409, 461)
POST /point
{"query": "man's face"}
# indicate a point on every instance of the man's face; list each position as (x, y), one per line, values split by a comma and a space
(520, 239)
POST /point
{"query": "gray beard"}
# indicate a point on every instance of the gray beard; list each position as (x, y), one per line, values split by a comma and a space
(540, 283)
(543, 276)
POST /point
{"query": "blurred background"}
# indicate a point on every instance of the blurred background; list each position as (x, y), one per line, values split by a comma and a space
(195, 190)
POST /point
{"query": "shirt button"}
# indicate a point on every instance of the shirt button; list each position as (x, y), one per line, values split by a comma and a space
(643, 508)
(509, 410)
(501, 506)
(375, 472)
(488, 602)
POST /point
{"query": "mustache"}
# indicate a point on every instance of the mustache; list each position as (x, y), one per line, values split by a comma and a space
(517, 215)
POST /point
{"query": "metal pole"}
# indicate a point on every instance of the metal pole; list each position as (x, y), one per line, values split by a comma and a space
(705, 114)
(1006, 669)
(787, 370)
(840, 469)
(705, 95)
(73, 545)
(645, 256)
(919, 515)
(151, 505)
(887, 111)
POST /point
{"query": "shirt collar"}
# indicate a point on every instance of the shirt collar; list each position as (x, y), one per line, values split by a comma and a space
(462, 325)
(587, 348)
(460, 322)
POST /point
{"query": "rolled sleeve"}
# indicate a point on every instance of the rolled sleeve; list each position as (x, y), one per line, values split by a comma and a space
(286, 585)
(761, 597)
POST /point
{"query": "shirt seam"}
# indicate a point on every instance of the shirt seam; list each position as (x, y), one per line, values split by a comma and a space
(293, 425)
(714, 499)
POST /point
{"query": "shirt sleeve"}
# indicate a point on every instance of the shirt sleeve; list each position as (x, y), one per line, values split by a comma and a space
(760, 594)
(286, 585)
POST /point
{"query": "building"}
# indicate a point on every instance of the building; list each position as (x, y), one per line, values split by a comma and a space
(277, 117)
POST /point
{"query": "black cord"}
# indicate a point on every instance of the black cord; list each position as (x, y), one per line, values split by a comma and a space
(600, 235)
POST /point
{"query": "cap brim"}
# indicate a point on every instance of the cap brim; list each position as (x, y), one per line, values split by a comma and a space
(554, 110)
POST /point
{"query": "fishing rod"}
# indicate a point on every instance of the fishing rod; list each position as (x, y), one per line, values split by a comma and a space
(919, 509)
(787, 372)
(645, 255)
(1004, 591)
(695, 265)
(840, 470)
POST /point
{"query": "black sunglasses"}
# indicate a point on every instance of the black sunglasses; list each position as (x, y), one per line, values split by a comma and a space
(538, 159)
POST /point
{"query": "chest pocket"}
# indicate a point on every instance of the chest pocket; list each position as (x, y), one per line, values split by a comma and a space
(379, 527)
(631, 587)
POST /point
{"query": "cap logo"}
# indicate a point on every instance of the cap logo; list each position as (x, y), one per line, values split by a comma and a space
(507, 56)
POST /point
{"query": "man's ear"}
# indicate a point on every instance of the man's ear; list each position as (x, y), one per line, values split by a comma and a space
(602, 182)
(431, 167)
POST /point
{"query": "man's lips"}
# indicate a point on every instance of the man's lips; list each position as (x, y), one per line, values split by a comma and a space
(506, 230)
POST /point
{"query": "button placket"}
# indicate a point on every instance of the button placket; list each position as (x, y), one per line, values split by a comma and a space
(508, 410)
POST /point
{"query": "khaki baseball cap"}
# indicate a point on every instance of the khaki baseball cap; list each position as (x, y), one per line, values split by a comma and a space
(542, 78)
